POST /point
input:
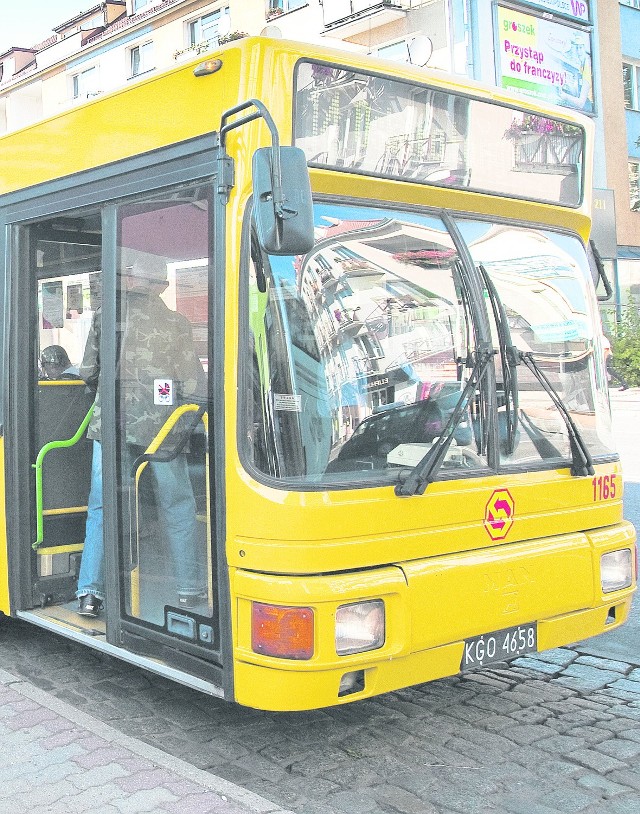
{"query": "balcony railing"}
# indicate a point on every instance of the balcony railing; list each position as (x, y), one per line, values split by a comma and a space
(547, 152)
(356, 13)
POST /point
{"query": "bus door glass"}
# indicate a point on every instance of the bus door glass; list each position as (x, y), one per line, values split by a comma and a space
(166, 555)
(67, 258)
(543, 281)
(360, 351)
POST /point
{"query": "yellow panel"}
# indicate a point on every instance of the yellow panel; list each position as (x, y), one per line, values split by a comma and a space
(443, 601)
(275, 687)
(280, 690)
(61, 383)
(468, 594)
(70, 510)
(59, 549)
(584, 625)
(274, 530)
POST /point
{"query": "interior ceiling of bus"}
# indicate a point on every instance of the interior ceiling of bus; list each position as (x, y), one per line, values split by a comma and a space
(79, 231)
(173, 228)
(180, 232)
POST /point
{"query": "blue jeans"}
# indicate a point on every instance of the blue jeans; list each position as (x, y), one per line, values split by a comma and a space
(176, 513)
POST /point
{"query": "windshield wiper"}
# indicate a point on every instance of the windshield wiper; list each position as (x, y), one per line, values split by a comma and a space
(415, 481)
(509, 360)
(543, 445)
(581, 457)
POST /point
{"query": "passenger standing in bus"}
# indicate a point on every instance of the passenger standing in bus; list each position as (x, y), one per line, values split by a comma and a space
(613, 375)
(156, 345)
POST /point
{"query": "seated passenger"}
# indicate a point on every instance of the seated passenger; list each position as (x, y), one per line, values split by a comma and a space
(56, 365)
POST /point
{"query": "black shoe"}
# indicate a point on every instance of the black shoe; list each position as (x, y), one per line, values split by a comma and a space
(89, 605)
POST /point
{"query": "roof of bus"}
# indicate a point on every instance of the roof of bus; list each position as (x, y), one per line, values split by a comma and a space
(175, 106)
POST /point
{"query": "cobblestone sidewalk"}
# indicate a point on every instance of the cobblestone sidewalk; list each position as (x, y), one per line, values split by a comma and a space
(59, 760)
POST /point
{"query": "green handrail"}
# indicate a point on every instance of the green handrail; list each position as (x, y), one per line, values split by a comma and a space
(69, 442)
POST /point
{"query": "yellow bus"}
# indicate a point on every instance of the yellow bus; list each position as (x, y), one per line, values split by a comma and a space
(399, 458)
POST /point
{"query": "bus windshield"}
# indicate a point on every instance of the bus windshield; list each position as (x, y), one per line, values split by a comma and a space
(362, 348)
(433, 136)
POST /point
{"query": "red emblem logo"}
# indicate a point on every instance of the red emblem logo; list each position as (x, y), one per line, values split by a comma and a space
(499, 513)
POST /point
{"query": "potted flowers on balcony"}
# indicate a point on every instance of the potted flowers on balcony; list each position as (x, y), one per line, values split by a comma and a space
(541, 142)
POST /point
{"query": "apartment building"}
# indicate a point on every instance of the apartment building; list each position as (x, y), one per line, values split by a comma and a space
(544, 49)
(620, 77)
(115, 42)
(110, 44)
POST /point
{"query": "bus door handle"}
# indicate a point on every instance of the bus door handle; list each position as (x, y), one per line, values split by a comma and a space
(68, 442)
(152, 454)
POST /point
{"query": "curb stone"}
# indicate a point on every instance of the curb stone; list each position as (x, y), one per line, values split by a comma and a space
(228, 791)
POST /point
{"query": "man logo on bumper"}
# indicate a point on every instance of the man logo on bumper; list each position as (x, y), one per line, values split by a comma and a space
(499, 513)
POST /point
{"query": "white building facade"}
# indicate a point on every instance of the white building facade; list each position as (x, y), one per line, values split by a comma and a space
(115, 42)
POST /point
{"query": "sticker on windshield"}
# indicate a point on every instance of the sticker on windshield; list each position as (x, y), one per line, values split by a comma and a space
(288, 402)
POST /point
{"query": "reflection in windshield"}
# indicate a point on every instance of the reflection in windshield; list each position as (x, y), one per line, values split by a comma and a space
(366, 355)
(374, 124)
(361, 349)
(542, 280)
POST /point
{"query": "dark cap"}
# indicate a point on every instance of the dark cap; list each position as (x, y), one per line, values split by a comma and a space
(55, 355)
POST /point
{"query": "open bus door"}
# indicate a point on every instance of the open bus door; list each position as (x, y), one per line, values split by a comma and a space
(72, 245)
(65, 270)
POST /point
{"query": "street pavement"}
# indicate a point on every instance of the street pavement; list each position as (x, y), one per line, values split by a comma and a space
(558, 733)
(57, 759)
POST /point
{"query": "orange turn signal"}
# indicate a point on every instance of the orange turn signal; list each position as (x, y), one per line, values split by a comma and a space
(286, 633)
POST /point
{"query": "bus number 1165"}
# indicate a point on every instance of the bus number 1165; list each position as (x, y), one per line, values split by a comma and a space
(604, 487)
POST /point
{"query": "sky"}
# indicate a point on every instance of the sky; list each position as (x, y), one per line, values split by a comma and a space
(27, 22)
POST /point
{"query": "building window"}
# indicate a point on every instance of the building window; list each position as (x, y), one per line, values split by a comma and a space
(276, 7)
(97, 21)
(141, 59)
(138, 4)
(634, 185)
(632, 3)
(210, 28)
(85, 84)
(631, 85)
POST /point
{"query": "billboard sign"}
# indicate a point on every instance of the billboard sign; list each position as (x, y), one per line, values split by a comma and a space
(545, 60)
(577, 10)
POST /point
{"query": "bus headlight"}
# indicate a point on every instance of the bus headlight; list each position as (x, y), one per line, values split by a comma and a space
(360, 627)
(616, 570)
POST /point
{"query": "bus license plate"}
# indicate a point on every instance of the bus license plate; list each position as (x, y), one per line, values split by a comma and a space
(499, 646)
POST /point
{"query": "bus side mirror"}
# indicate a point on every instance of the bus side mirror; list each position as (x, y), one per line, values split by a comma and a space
(282, 204)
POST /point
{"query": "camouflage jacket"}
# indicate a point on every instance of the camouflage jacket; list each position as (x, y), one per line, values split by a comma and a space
(158, 368)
